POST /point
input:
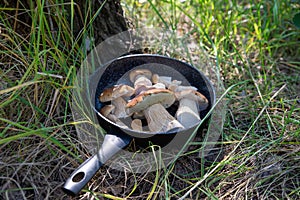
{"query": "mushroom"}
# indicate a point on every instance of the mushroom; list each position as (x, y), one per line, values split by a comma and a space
(179, 88)
(141, 80)
(166, 80)
(116, 91)
(136, 125)
(115, 94)
(115, 119)
(190, 103)
(138, 115)
(120, 107)
(160, 120)
(107, 111)
(139, 73)
(153, 103)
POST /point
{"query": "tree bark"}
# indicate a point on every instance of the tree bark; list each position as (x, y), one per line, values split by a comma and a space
(109, 18)
(109, 21)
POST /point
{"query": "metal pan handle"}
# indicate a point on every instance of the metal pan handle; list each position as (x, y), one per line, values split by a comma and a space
(85, 172)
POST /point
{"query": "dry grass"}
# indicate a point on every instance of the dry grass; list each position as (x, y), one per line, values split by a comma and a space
(257, 157)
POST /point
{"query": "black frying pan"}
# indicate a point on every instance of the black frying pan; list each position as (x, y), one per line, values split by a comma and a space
(118, 137)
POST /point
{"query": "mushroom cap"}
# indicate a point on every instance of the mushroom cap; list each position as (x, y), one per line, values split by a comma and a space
(159, 86)
(106, 95)
(142, 81)
(178, 88)
(166, 80)
(116, 91)
(191, 94)
(146, 99)
(139, 72)
(143, 88)
(155, 78)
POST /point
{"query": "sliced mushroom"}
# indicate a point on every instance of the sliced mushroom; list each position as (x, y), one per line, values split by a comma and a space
(153, 103)
(190, 104)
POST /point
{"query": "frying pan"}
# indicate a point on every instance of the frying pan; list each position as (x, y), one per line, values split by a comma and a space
(118, 137)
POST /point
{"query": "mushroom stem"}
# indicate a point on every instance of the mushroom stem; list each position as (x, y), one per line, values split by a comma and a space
(136, 125)
(120, 105)
(190, 103)
(108, 109)
(159, 119)
(116, 120)
(187, 113)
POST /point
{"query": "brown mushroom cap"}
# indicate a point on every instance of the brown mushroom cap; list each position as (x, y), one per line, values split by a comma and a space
(191, 94)
(146, 99)
(166, 80)
(139, 72)
(155, 78)
(106, 95)
(116, 91)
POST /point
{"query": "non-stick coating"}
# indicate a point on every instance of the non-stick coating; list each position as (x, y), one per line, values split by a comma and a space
(112, 72)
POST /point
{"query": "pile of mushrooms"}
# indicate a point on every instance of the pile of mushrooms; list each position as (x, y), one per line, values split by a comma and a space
(149, 99)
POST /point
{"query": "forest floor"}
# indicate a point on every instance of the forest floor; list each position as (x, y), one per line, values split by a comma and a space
(256, 48)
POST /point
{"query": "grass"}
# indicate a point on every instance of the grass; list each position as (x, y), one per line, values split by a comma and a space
(255, 45)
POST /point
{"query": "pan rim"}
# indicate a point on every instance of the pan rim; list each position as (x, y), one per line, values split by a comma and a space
(133, 133)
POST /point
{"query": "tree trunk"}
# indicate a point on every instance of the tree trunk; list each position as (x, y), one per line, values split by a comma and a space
(109, 20)
(107, 16)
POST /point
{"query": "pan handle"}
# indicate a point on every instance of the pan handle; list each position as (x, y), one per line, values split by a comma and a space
(84, 173)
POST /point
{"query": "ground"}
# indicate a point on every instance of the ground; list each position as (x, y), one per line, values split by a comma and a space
(256, 47)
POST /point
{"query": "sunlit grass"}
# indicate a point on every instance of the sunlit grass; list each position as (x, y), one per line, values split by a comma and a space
(255, 45)
(37, 69)
(254, 41)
